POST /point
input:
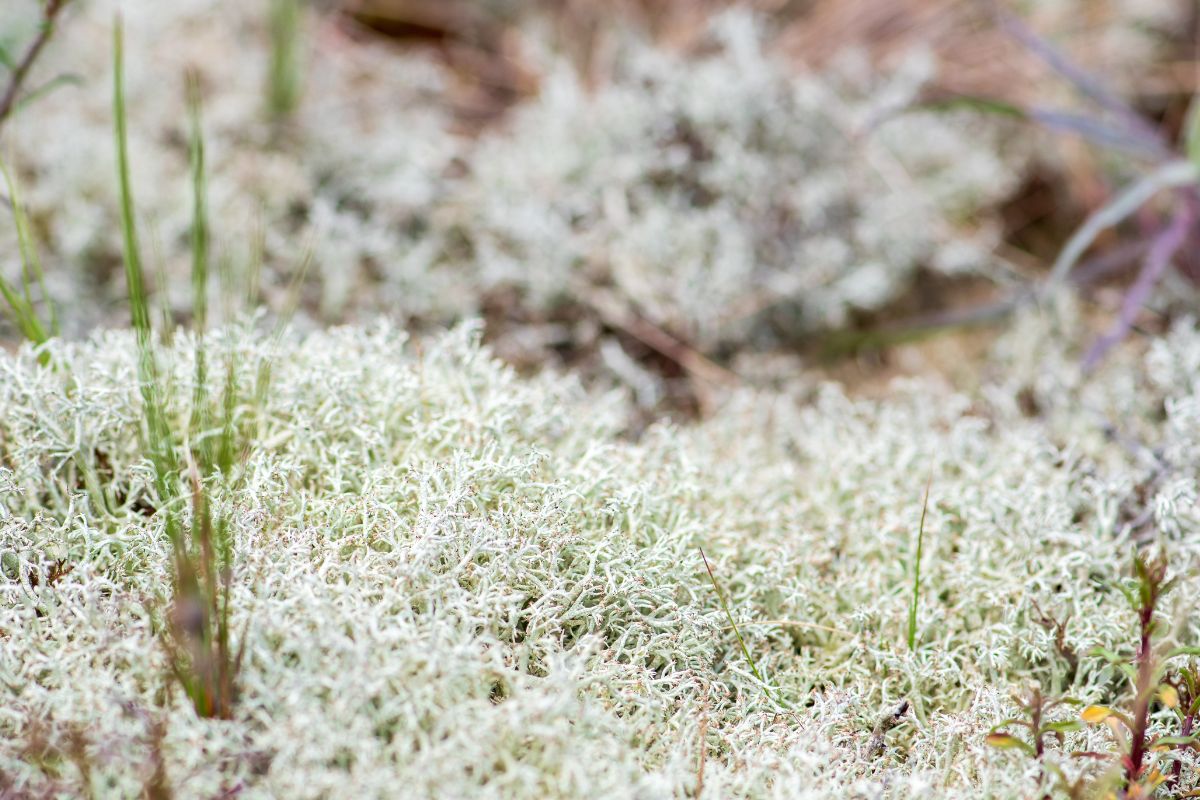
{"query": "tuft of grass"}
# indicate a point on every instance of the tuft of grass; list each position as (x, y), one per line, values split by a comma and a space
(197, 633)
(916, 590)
(284, 83)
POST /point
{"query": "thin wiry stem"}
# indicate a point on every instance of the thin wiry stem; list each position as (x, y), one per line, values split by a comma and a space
(916, 591)
(1088, 85)
(1170, 175)
(725, 606)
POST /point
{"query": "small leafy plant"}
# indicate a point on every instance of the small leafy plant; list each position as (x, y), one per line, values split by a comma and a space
(1154, 682)
(1039, 730)
(1147, 673)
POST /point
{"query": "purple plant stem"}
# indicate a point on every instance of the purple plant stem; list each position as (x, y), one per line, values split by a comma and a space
(1163, 248)
(1080, 79)
(1099, 132)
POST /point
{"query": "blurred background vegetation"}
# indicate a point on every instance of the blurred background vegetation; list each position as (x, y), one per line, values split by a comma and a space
(665, 194)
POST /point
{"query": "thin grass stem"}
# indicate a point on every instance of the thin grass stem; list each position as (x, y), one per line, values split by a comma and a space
(729, 615)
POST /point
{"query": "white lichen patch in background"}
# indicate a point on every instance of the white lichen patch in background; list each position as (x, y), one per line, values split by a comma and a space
(722, 195)
(463, 583)
(709, 192)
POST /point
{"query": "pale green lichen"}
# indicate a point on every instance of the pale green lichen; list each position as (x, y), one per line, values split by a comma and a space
(456, 582)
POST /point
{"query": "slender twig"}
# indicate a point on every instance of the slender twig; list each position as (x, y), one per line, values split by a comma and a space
(696, 364)
(50, 14)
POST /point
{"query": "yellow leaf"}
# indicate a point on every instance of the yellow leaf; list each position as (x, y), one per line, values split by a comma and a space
(1155, 778)
(1096, 714)
(1168, 696)
(1003, 741)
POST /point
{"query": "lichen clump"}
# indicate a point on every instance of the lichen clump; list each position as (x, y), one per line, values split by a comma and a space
(725, 196)
(466, 583)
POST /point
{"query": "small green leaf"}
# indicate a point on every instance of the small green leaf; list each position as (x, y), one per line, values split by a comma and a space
(1183, 651)
(1063, 726)
(1175, 741)
(1131, 595)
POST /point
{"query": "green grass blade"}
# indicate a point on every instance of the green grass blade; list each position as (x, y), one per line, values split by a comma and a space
(159, 439)
(916, 591)
(138, 306)
(736, 632)
(201, 417)
(20, 302)
(283, 89)
(200, 232)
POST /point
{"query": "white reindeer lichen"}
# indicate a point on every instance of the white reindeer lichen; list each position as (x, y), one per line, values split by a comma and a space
(462, 582)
